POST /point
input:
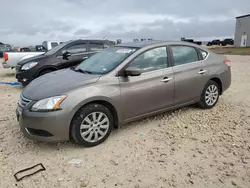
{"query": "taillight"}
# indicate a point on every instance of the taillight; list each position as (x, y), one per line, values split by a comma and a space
(6, 57)
(228, 63)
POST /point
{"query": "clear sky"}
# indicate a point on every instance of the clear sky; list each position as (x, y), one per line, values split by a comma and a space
(30, 22)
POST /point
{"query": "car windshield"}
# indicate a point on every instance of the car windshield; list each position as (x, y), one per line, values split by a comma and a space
(57, 48)
(105, 61)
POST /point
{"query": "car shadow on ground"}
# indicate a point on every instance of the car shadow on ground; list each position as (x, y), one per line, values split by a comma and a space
(47, 146)
(142, 126)
(17, 88)
(11, 74)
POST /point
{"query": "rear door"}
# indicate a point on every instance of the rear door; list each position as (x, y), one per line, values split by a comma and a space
(78, 53)
(95, 47)
(190, 73)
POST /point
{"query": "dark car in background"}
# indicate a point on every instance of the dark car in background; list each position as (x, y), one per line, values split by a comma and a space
(5, 48)
(25, 49)
(2, 50)
(40, 48)
(227, 42)
(214, 42)
(65, 55)
(191, 41)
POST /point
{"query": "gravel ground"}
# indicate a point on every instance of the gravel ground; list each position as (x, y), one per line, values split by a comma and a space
(188, 147)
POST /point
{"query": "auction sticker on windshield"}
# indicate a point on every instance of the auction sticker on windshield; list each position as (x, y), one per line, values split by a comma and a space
(125, 51)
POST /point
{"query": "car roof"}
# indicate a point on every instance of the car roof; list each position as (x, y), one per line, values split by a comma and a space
(92, 40)
(143, 44)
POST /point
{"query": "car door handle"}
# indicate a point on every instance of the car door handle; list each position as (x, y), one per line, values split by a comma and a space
(85, 57)
(202, 71)
(166, 79)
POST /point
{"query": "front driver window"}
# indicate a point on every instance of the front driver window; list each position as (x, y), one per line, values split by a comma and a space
(151, 60)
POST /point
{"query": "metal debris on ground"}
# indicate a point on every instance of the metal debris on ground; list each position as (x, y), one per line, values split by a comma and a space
(42, 168)
(75, 161)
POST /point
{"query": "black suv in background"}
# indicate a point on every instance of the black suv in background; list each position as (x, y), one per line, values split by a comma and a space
(65, 55)
(214, 42)
(223, 43)
(227, 42)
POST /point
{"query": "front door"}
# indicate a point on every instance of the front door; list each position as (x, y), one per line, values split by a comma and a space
(153, 90)
(243, 40)
(190, 73)
(77, 54)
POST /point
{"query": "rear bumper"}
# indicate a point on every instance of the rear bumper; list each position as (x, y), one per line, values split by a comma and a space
(226, 78)
(5, 65)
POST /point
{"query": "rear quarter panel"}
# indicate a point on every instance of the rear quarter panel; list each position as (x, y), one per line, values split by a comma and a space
(218, 69)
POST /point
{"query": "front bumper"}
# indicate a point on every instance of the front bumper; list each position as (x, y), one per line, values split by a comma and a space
(44, 126)
(24, 77)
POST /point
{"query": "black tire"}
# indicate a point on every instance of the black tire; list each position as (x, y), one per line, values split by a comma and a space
(45, 72)
(81, 115)
(23, 85)
(202, 103)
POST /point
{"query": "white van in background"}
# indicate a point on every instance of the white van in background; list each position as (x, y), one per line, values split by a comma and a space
(50, 44)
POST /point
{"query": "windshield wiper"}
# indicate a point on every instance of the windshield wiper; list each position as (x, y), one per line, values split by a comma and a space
(83, 71)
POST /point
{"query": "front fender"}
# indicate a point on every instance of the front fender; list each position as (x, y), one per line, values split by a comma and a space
(50, 67)
(80, 97)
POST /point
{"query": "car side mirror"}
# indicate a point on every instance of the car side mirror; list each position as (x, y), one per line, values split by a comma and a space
(66, 55)
(132, 71)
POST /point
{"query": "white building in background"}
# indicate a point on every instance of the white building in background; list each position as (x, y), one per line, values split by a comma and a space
(242, 31)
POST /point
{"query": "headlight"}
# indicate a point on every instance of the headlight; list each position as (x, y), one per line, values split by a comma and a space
(28, 66)
(48, 104)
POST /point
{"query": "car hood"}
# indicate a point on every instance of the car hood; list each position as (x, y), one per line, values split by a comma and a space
(35, 58)
(57, 83)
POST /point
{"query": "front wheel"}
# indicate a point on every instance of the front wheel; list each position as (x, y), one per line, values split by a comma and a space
(91, 125)
(210, 95)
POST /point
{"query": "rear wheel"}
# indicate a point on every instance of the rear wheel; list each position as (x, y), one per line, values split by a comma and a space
(91, 125)
(210, 95)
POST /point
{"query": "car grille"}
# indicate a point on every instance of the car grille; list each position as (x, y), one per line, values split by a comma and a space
(23, 102)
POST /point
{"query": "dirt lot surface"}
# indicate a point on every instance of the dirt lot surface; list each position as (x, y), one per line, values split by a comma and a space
(185, 148)
(231, 50)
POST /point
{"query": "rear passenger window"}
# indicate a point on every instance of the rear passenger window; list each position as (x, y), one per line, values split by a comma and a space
(96, 47)
(184, 54)
(54, 44)
(78, 48)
